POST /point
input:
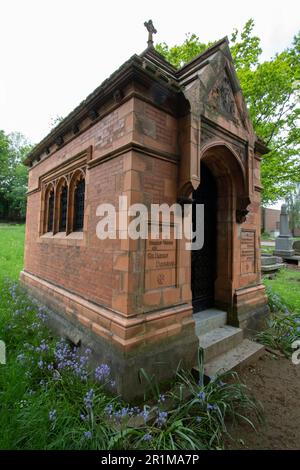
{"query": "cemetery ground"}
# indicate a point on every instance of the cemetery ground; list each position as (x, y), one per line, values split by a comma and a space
(51, 399)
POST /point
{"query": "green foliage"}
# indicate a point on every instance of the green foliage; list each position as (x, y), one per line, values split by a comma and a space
(284, 323)
(286, 285)
(271, 90)
(46, 401)
(11, 250)
(293, 204)
(178, 55)
(13, 175)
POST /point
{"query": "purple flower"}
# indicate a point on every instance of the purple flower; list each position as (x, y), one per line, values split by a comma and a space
(201, 395)
(89, 399)
(68, 358)
(198, 419)
(211, 407)
(122, 413)
(147, 437)
(161, 399)
(162, 418)
(84, 417)
(40, 364)
(88, 435)
(109, 409)
(102, 372)
(43, 347)
(52, 415)
(145, 414)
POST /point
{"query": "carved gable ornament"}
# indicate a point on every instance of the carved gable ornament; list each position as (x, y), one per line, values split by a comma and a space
(221, 99)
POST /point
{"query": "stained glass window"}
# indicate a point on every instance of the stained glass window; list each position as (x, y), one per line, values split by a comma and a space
(50, 212)
(63, 209)
(79, 194)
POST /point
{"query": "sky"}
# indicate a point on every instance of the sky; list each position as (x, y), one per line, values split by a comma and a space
(55, 52)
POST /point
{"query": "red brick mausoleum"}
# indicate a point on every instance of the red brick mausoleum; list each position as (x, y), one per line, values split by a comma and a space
(157, 135)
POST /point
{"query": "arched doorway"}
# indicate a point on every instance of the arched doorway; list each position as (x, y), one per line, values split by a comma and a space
(203, 273)
(222, 190)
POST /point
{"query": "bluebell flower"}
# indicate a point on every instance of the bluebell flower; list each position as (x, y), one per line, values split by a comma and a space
(162, 418)
(88, 435)
(109, 409)
(211, 407)
(52, 415)
(201, 395)
(145, 414)
(147, 437)
(89, 399)
(161, 398)
(102, 372)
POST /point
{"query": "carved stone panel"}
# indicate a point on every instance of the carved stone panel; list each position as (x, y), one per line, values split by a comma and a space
(160, 262)
(221, 99)
(247, 251)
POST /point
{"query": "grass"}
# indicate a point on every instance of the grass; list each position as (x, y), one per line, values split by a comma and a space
(286, 285)
(52, 398)
(11, 250)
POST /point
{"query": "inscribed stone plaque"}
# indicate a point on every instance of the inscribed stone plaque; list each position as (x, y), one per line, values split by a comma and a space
(247, 251)
(160, 262)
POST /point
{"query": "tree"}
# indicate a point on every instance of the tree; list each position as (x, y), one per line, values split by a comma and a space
(271, 90)
(293, 205)
(13, 175)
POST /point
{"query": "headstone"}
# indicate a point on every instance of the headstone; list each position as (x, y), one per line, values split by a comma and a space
(296, 247)
(271, 264)
(284, 242)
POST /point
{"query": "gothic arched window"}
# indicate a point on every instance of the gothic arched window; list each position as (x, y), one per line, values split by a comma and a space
(50, 211)
(79, 194)
(63, 208)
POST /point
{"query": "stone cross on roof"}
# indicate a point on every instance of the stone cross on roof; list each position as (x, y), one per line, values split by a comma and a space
(151, 30)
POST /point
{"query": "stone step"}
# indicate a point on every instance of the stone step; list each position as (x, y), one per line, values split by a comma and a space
(208, 320)
(247, 352)
(219, 341)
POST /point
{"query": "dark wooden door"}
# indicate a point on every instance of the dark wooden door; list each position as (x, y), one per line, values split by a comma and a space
(204, 260)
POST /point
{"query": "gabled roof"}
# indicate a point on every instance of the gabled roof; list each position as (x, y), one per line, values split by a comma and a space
(151, 62)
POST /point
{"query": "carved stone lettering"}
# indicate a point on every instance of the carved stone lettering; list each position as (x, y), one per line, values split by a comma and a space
(160, 262)
(247, 251)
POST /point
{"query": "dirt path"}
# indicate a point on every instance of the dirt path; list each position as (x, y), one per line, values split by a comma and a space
(275, 382)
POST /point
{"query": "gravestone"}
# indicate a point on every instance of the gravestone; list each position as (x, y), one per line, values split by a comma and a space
(296, 247)
(284, 242)
(271, 264)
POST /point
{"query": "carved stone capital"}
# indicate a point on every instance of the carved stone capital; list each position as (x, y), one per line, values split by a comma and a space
(242, 209)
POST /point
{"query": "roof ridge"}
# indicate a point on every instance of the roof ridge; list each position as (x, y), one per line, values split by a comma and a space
(203, 55)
